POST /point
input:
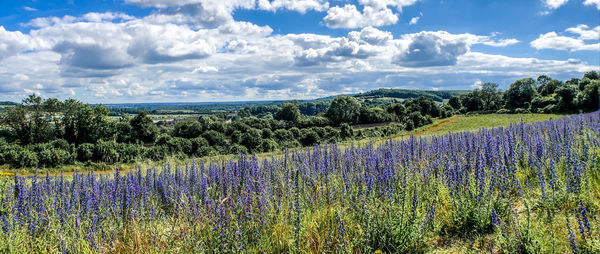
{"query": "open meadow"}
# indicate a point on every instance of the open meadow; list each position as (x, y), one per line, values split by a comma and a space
(526, 188)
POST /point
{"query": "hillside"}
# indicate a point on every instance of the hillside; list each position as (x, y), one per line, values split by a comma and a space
(410, 94)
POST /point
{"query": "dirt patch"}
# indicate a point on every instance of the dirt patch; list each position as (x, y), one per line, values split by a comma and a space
(436, 127)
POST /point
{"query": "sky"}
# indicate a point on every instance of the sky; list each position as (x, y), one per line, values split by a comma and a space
(119, 51)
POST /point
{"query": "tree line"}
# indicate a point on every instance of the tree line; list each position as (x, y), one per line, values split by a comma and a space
(49, 132)
(541, 95)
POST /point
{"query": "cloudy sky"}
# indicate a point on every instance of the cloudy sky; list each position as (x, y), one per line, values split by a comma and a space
(239, 50)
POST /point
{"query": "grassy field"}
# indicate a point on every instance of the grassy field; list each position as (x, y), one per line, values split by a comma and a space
(441, 126)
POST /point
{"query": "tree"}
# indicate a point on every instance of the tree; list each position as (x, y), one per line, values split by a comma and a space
(16, 119)
(520, 92)
(288, 112)
(454, 102)
(423, 105)
(593, 75)
(566, 95)
(143, 128)
(187, 129)
(491, 96)
(252, 139)
(344, 109)
(471, 101)
(215, 138)
(589, 96)
(397, 109)
(123, 129)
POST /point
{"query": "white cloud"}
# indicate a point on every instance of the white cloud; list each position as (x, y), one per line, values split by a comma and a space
(13, 43)
(27, 8)
(383, 4)
(501, 42)
(553, 40)
(440, 48)
(374, 13)
(554, 4)
(433, 49)
(585, 33)
(593, 2)
(172, 55)
(371, 35)
(414, 20)
(301, 6)
(349, 17)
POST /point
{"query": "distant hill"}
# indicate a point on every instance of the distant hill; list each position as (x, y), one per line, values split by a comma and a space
(409, 94)
(7, 103)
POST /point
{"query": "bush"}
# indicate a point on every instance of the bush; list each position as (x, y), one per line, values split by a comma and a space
(179, 144)
(27, 159)
(504, 111)
(157, 153)
(106, 151)
(187, 129)
(53, 157)
(309, 137)
(296, 132)
(129, 152)
(85, 152)
(268, 145)
(522, 111)
(200, 147)
(236, 137)
(215, 138)
(283, 135)
(346, 130)
(11, 155)
(252, 139)
(163, 139)
(267, 133)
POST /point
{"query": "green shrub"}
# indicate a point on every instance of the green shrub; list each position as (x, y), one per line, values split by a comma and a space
(85, 152)
(268, 145)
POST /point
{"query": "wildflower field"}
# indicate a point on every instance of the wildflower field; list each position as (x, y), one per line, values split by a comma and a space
(527, 188)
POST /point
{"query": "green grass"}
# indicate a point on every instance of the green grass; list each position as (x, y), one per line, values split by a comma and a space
(475, 122)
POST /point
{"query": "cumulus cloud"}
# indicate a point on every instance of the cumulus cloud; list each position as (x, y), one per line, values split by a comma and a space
(319, 49)
(440, 48)
(374, 13)
(382, 4)
(12, 43)
(432, 49)
(554, 4)
(371, 35)
(174, 55)
(301, 6)
(553, 40)
(84, 51)
(592, 2)
(349, 17)
(585, 33)
(414, 20)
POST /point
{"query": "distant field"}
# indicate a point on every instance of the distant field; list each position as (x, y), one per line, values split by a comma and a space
(173, 117)
(474, 122)
(164, 117)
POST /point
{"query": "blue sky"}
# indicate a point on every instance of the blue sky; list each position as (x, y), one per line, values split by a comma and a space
(230, 50)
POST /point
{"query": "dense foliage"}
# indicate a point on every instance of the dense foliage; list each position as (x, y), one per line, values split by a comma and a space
(49, 133)
(523, 189)
(543, 95)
